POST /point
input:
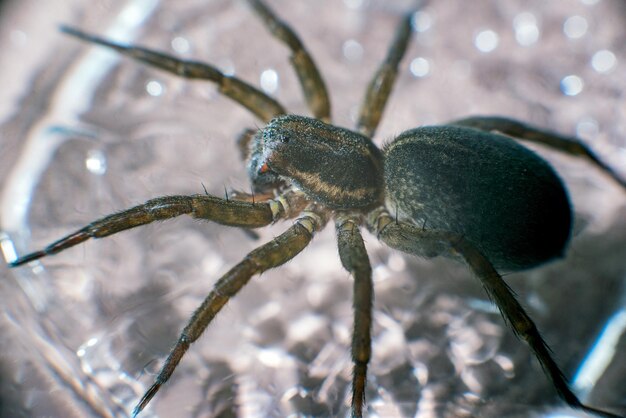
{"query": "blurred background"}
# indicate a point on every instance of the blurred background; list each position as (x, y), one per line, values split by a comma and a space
(84, 132)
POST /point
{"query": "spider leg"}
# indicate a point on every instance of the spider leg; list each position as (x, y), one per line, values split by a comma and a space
(354, 259)
(226, 212)
(242, 196)
(257, 102)
(381, 85)
(313, 86)
(276, 252)
(415, 240)
(515, 129)
(243, 142)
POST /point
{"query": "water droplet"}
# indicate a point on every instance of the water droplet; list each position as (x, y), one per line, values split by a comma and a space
(352, 50)
(575, 27)
(154, 88)
(180, 45)
(572, 85)
(421, 21)
(587, 128)
(269, 81)
(486, 40)
(526, 30)
(227, 67)
(96, 162)
(603, 61)
(420, 67)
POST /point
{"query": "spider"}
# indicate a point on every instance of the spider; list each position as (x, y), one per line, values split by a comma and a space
(464, 190)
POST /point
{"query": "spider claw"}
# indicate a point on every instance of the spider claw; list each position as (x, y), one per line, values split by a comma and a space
(358, 389)
(146, 398)
(69, 30)
(60, 245)
(27, 258)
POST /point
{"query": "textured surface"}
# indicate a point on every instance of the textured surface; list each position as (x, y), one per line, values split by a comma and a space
(83, 330)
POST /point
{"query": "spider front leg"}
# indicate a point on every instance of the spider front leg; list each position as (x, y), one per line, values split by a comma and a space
(515, 129)
(313, 86)
(226, 212)
(273, 254)
(418, 241)
(257, 102)
(354, 259)
(382, 83)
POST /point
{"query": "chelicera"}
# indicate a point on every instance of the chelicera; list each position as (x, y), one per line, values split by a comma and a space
(464, 190)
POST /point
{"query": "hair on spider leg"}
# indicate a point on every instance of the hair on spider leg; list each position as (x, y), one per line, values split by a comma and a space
(327, 173)
(252, 195)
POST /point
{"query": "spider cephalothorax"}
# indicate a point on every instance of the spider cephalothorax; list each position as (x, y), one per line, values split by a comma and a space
(334, 166)
(458, 190)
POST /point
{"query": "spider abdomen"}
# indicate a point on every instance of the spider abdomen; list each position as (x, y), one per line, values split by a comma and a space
(499, 195)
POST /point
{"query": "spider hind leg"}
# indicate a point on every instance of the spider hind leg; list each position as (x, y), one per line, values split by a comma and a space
(569, 145)
(415, 240)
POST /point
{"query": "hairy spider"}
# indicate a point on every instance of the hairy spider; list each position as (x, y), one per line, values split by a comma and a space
(460, 190)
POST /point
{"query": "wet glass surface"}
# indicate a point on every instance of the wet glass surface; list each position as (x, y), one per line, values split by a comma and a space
(85, 133)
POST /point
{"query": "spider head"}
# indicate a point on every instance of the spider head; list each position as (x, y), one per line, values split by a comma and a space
(262, 178)
(335, 166)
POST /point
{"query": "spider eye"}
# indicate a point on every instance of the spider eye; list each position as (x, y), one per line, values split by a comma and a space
(264, 169)
(285, 139)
